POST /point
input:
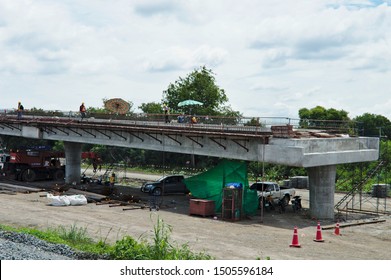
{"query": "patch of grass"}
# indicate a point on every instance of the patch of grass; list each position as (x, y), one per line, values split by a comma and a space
(128, 248)
(74, 235)
(160, 249)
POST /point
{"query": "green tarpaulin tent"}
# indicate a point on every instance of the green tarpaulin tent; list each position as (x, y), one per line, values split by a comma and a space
(210, 184)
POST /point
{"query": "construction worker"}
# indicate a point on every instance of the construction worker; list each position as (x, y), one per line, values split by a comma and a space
(112, 179)
(20, 110)
(166, 119)
(94, 165)
(82, 110)
(166, 111)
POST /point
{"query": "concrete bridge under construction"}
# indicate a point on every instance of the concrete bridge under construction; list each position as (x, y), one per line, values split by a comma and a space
(318, 152)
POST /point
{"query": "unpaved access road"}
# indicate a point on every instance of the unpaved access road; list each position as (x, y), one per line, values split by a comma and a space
(251, 238)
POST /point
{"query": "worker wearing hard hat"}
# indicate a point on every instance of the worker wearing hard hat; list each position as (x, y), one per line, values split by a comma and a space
(20, 110)
(82, 110)
(112, 179)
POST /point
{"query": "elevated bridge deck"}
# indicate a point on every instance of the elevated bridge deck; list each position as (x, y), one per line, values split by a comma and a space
(318, 151)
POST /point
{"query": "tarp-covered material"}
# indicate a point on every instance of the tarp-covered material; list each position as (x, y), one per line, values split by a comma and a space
(210, 184)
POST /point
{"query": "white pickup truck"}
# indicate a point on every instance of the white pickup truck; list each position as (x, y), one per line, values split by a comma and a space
(273, 192)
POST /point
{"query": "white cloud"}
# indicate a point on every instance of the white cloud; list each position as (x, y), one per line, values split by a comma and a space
(271, 57)
(330, 34)
(179, 58)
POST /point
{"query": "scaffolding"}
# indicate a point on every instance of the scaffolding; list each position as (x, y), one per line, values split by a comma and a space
(360, 202)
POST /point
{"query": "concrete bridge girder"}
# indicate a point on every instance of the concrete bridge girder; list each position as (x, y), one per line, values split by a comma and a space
(291, 152)
(319, 155)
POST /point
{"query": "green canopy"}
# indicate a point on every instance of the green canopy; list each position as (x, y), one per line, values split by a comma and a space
(189, 102)
(210, 184)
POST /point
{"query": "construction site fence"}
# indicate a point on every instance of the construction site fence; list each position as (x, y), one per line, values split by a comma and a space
(337, 126)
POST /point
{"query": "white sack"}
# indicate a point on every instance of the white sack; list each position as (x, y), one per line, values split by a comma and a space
(58, 200)
(66, 200)
(77, 199)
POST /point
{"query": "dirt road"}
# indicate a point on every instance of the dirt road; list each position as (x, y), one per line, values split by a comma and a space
(248, 239)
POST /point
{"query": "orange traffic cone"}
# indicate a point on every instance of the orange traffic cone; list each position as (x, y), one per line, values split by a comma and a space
(319, 234)
(295, 239)
(336, 230)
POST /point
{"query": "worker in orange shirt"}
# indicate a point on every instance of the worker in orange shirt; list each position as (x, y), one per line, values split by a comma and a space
(82, 110)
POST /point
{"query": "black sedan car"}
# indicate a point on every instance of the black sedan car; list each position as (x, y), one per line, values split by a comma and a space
(167, 184)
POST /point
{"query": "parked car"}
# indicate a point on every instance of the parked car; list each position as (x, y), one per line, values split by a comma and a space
(272, 192)
(166, 184)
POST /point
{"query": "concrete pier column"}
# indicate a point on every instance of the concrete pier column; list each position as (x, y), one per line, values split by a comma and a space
(322, 188)
(73, 160)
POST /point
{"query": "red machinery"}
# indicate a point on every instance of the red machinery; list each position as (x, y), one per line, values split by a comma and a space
(30, 165)
(96, 160)
(38, 163)
(91, 155)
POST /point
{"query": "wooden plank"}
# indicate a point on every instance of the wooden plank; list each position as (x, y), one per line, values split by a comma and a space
(19, 188)
(88, 195)
(7, 192)
(133, 208)
(358, 223)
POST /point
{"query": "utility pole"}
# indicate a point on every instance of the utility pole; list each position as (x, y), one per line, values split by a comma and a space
(263, 176)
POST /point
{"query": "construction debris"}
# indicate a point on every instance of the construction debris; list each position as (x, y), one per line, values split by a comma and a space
(286, 131)
(99, 194)
(18, 188)
(357, 223)
(282, 131)
(7, 192)
(91, 197)
(134, 208)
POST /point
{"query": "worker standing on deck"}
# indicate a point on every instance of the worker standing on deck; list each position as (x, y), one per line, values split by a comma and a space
(193, 120)
(82, 110)
(20, 110)
(166, 111)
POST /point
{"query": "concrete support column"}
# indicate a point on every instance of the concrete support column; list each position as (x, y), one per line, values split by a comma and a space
(73, 160)
(322, 188)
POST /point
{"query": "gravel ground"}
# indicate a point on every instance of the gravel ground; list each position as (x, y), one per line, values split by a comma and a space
(20, 246)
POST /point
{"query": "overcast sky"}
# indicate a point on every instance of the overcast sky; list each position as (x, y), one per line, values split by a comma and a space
(272, 57)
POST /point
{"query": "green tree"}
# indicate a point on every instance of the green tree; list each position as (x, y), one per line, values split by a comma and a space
(151, 108)
(253, 122)
(322, 117)
(199, 85)
(42, 112)
(374, 125)
(321, 113)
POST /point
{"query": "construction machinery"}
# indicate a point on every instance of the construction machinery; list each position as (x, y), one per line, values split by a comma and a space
(35, 163)
(38, 163)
